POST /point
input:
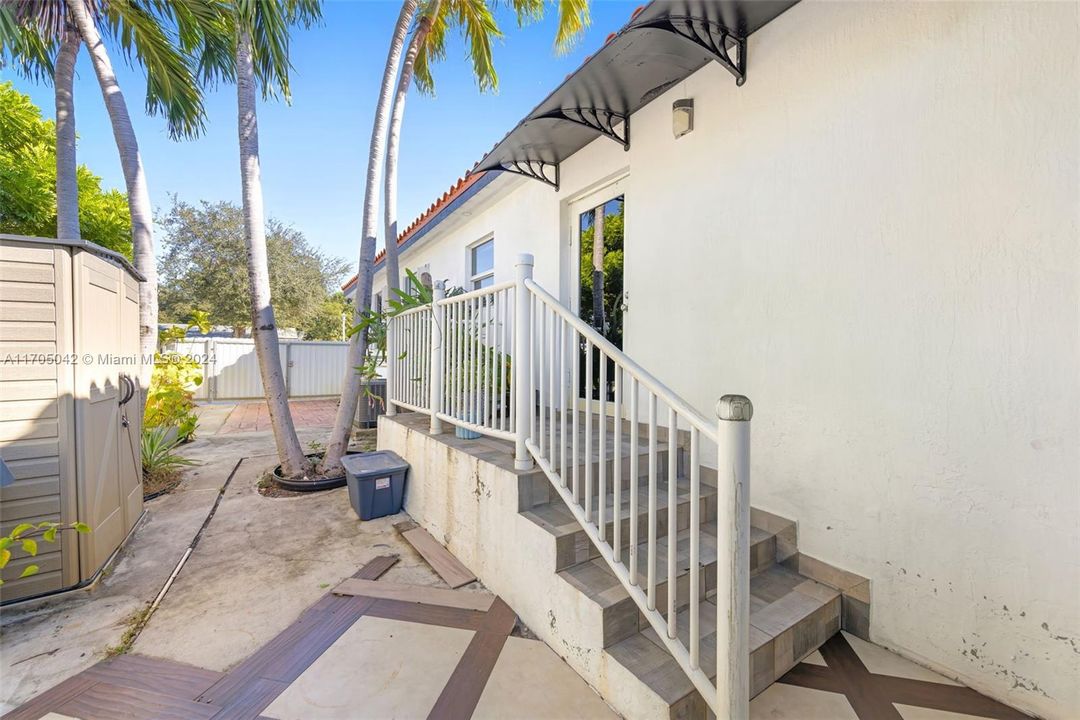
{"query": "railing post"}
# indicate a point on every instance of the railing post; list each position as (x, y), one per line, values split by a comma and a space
(391, 363)
(435, 380)
(521, 362)
(733, 557)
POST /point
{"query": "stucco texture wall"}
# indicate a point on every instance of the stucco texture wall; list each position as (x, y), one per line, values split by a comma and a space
(876, 240)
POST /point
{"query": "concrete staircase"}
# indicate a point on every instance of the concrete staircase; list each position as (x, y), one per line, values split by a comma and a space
(796, 603)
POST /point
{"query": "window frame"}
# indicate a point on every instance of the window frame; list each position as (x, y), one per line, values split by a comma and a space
(477, 278)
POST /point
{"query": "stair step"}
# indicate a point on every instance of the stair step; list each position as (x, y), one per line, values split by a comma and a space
(535, 488)
(573, 545)
(791, 616)
(621, 618)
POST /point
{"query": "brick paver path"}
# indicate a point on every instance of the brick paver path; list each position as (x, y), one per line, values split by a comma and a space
(255, 417)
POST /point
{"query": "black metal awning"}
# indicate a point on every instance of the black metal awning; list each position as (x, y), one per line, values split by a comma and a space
(662, 44)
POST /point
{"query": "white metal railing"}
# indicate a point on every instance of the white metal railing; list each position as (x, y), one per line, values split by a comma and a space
(408, 343)
(451, 360)
(512, 362)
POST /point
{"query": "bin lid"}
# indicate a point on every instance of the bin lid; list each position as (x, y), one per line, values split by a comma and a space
(379, 461)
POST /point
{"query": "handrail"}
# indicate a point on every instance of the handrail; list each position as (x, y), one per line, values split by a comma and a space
(479, 292)
(512, 362)
(643, 376)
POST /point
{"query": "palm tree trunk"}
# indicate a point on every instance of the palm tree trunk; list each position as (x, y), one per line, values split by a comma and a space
(263, 327)
(67, 183)
(138, 195)
(393, 138)
(598, 269)
(338, 442)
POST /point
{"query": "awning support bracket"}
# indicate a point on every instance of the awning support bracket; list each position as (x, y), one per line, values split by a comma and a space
(710, 36)
(535, 169)
(601, 120)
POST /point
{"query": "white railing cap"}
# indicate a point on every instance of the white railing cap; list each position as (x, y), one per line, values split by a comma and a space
(736, 408)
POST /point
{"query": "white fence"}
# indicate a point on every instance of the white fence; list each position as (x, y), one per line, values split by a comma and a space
(231, 367)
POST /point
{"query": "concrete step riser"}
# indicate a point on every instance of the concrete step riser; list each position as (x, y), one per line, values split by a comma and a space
(620, 629)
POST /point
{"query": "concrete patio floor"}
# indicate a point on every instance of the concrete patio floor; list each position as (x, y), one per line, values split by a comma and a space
(258, 564)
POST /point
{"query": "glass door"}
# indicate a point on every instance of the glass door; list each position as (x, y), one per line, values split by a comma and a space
(599, 222)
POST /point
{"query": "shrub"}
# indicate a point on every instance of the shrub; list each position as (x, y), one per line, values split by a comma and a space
(170, 402)
(158, 458)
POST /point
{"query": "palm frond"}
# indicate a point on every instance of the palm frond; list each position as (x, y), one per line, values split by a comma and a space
(28, 43)
(269, 22)
(139, 28)
(573, 19)
(478, 24)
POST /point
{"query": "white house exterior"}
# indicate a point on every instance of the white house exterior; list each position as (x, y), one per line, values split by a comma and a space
(876, 239)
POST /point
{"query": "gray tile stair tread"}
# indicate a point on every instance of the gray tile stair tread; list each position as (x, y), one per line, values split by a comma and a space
(596, 580)
(768, 618)
(556, 518)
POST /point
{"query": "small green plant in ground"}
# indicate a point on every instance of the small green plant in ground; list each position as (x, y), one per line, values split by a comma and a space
(158, 459)
(316, 447)
(26, 535)
(135, 623)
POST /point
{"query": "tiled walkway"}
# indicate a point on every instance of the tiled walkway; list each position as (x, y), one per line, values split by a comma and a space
(850, 679)
(349, 657)
(255, 417)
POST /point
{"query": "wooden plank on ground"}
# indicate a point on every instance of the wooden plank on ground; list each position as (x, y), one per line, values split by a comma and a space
(105, 701)
(161, 676)
(405, 525)
(416, 593)
(441, 560)
(376, 567)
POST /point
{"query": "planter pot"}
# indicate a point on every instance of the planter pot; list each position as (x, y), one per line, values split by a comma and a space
(466, 434)
(309, 485)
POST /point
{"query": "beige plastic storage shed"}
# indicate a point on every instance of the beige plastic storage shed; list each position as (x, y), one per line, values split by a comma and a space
(69, 444)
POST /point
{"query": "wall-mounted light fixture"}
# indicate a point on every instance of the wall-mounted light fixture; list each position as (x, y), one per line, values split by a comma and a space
(682, 117)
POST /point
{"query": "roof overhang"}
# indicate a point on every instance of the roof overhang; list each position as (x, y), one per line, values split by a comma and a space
(662, 44)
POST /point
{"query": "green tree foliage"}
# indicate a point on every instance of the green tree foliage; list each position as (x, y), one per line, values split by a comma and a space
(204, 266)
(28, 181)
(326, 323)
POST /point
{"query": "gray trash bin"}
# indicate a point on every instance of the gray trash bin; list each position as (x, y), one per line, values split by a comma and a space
(376, 483)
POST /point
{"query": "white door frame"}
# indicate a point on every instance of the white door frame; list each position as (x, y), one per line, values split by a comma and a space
(572, 249)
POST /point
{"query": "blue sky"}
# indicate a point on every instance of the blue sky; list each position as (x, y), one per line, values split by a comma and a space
(314, 151)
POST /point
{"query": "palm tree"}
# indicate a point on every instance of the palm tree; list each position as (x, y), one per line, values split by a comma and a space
(477, 21)
(32, 50)
(338, 442)
(67, 183)
(161, 36)
(428, 43)
(262, 58)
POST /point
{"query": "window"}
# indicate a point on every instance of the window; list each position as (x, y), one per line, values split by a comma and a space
(482, 264)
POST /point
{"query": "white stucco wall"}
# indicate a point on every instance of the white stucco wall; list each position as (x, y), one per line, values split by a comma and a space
(875, 238)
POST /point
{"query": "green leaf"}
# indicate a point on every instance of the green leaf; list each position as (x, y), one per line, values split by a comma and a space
(20, 529)
(29, 547)
(81, 527)
(5, 555)
(4, 542)
(29, 570)
(50, 535)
